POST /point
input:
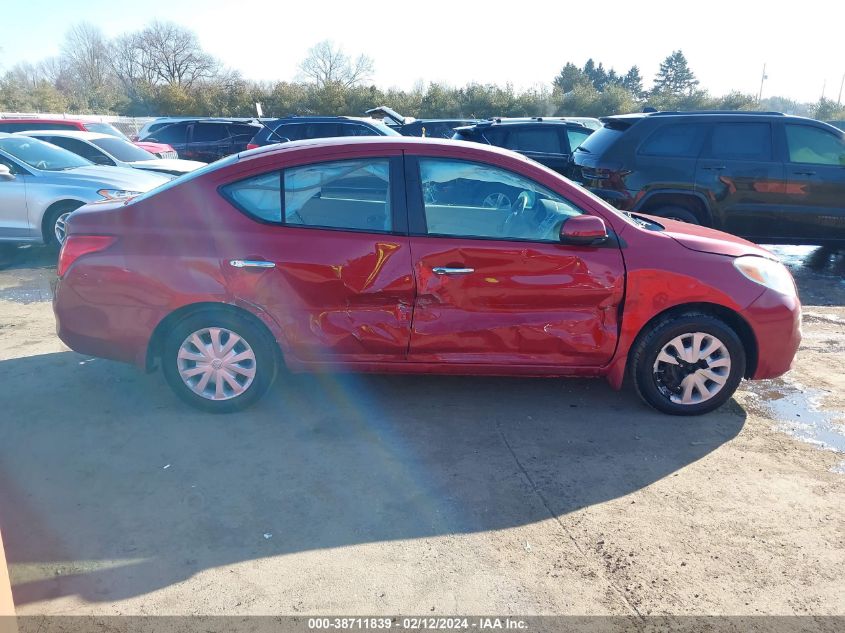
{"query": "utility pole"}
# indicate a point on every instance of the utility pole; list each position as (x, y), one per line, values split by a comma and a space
(824, 85)
(763, 78)
(841, 84)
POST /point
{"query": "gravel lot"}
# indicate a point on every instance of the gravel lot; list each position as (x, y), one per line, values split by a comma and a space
(418, 495)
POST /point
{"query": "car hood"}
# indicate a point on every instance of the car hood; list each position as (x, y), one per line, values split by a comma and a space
(168, 165)
(115, 177)
(705, 240)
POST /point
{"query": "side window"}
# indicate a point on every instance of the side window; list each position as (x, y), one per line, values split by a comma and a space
(321, 130)
(209, 133)
(349, 194)
(741, 141)
(259, 196)
(171, 134)
(288, 131)
(465, 199)
(576, 137)
(80, 149)
(496, 137)
(543, 140)
(680, 140)
(241, 132)
(814, 146)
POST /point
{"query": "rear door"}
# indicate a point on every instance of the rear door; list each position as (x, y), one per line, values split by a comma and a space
(814, 208)
(547, 144)
(207, 142)
(495, 285)
(742, 179)
(323, 248)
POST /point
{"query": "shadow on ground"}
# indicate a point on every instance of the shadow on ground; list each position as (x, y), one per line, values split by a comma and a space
(110, 488)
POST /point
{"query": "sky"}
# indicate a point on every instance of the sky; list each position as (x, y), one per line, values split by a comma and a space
(726, 43)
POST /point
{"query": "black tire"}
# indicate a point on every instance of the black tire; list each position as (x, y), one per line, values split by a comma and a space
(650, 384)
(53, 215)
(257, 338)
(677, 213)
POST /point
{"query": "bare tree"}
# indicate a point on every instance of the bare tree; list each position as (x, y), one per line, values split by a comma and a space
(86, 53)
(172, 55)
(327, 64)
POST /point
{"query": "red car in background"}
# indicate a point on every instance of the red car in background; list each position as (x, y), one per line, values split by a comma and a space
(162, 150)
(386, 254)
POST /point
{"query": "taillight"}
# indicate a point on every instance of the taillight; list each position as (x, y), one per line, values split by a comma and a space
(76, 246)
(252, 146)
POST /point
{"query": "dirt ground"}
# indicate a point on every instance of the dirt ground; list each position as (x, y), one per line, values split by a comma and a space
(418, 495)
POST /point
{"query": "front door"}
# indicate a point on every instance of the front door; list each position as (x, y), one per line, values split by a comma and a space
(14, 220)
(741, 178)
(815, 209)
(495, 285)
(334, 268)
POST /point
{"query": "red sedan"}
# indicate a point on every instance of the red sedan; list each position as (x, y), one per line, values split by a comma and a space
(396, 254)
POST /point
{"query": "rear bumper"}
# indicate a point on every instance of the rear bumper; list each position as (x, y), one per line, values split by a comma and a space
(107, 331)
(776, 321)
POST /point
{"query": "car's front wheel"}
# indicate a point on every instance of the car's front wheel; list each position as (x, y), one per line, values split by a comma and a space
(688, 364)
(55, 223)
(219, 362)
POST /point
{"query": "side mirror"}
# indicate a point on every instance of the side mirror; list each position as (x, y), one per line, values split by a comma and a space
(583, 230)
(5, 173)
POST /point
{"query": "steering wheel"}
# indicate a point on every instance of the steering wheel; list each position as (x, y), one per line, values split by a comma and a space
(524, 201)
(41, 164)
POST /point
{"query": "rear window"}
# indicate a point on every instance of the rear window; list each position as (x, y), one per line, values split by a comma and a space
(105, 128)
(600, 141)
(682, 140)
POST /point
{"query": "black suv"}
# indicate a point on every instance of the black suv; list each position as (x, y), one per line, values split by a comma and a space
(206, 139)
(296, 128)
(548, 141)
(765, 176)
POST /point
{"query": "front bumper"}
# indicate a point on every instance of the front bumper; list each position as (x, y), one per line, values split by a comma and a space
(776, 321)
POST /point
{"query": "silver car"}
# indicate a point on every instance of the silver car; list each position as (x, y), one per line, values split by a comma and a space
(41, 184)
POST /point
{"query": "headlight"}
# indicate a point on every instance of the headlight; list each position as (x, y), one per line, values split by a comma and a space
(117, 194)
(766, 272)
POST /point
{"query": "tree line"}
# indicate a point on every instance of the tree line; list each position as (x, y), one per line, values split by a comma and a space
(162, 69)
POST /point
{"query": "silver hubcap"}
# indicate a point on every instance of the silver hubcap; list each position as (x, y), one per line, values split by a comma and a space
(216, 363)
(692, 368)
(60, 229)
(497, 201)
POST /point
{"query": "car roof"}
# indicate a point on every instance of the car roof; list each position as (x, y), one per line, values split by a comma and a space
(388, 142)
(296, 118)
(629, 119)
(27, 119)
(86, 136)
(498, 122)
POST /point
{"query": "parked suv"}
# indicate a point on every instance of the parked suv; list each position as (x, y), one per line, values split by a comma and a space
(206, 140)
(297, 128)
(548, 141)
(410, 126)
(765, 176)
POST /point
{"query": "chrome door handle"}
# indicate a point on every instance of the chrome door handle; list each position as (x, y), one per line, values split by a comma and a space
(251, 263)
(441, 270)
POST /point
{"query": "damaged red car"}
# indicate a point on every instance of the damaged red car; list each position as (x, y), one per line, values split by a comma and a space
(387, 254)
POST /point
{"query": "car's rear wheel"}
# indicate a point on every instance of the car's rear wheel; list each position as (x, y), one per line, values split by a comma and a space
(219, 362)
(688, 364)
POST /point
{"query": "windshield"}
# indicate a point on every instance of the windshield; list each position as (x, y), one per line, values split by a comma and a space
(41, 155)
(123, 150)
(105, 128)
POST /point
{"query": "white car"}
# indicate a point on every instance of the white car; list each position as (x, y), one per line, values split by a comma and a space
(103, 149)
(42, 184)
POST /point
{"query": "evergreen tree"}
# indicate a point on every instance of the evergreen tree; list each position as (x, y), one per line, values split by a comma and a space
(675, 76)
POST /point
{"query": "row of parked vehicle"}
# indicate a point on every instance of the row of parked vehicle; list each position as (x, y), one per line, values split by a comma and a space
(768, 177)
